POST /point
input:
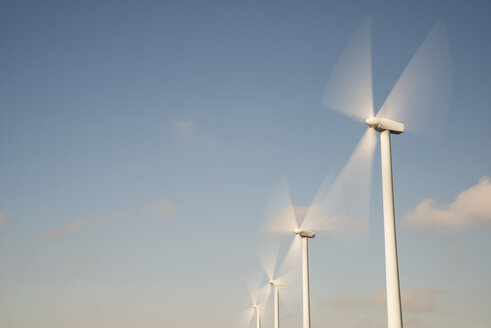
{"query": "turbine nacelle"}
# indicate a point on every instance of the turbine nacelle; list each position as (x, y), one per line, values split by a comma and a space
(258, 307)
(275, 283)
(380, 124)
(305, 233)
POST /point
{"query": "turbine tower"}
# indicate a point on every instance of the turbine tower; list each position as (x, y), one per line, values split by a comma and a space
(349, 91)
(386, 128)
(258, 309)
(275, 284)
(305, 234)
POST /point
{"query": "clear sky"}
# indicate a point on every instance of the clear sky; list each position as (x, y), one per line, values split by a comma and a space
(141, 140)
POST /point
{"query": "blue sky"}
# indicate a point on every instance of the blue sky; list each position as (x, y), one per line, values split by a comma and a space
(141, 141)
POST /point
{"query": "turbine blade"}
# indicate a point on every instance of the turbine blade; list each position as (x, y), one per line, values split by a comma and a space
(421, 97)
(255, 282)
(280, 212)
(292, 257)
(346, 207)
(349, 88)
(311, 220)
(289, 274)
(263, 293)
(268, 255)
(289, 278)
(291, 295)
(245, 318)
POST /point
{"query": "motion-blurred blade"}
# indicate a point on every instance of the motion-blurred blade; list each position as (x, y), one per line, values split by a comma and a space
(290, 278)
(280, 212)
(421, 97)
(291, 291)
(258, 288)
(349, 89)
(292, 257)
(311, 220)
(268, 255)
(245, 318)
(346, 207)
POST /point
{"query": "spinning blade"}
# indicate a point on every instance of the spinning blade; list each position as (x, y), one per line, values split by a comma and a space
(345, 207)
(352, 75)
(421, 97)
(280, 211)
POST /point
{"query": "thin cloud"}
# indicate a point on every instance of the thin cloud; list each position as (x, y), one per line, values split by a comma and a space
(163, 208)
(188, 129)
(365, 322)
(413, 321)
(471, 206)
(2, 217)
(339, 303)
(60, 231)
(82, 262)
(413, 300)
(453, 249)
(185, 128)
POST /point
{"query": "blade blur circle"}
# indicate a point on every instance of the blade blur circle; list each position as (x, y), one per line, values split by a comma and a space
(349, 89)
(346, 206)
(421, 97)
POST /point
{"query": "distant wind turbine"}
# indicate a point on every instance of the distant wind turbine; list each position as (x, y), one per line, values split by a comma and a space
(258, 294)
(319, 216)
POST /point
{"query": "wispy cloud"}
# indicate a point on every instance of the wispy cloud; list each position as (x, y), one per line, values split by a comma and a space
(453, 249)
(188, 129)
(413, 321)
(2, 217)
(365, 322)
(339, 303)
(61, 230)
(413, 300)
(163, 208)
(185, 128)
(469, 207)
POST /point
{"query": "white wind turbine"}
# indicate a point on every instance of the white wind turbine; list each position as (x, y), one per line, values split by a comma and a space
(258, 309)
(285, 222)
(420, 99)
(279, 276)
(257, 296)
(322, 215)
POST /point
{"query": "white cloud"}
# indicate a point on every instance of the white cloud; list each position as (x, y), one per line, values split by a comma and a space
(61, 231)
(163, 208)
(413, 321)
(2, 217)
(483, 325)
(413, 300)
(185, 128)
(189, 130)
(453, 249)
(341, 302)
(365, 322)
(82, 262)
(470, 206)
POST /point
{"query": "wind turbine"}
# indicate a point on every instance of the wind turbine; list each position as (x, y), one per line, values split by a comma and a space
(258, 309)
(276, 284)
(420, 98)
(319, 216)
(305, 235)
(284, 221)
(268, 258)
(257, 296)
(279, 275)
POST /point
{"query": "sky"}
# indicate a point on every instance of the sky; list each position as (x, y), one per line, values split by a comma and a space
(140, 142)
